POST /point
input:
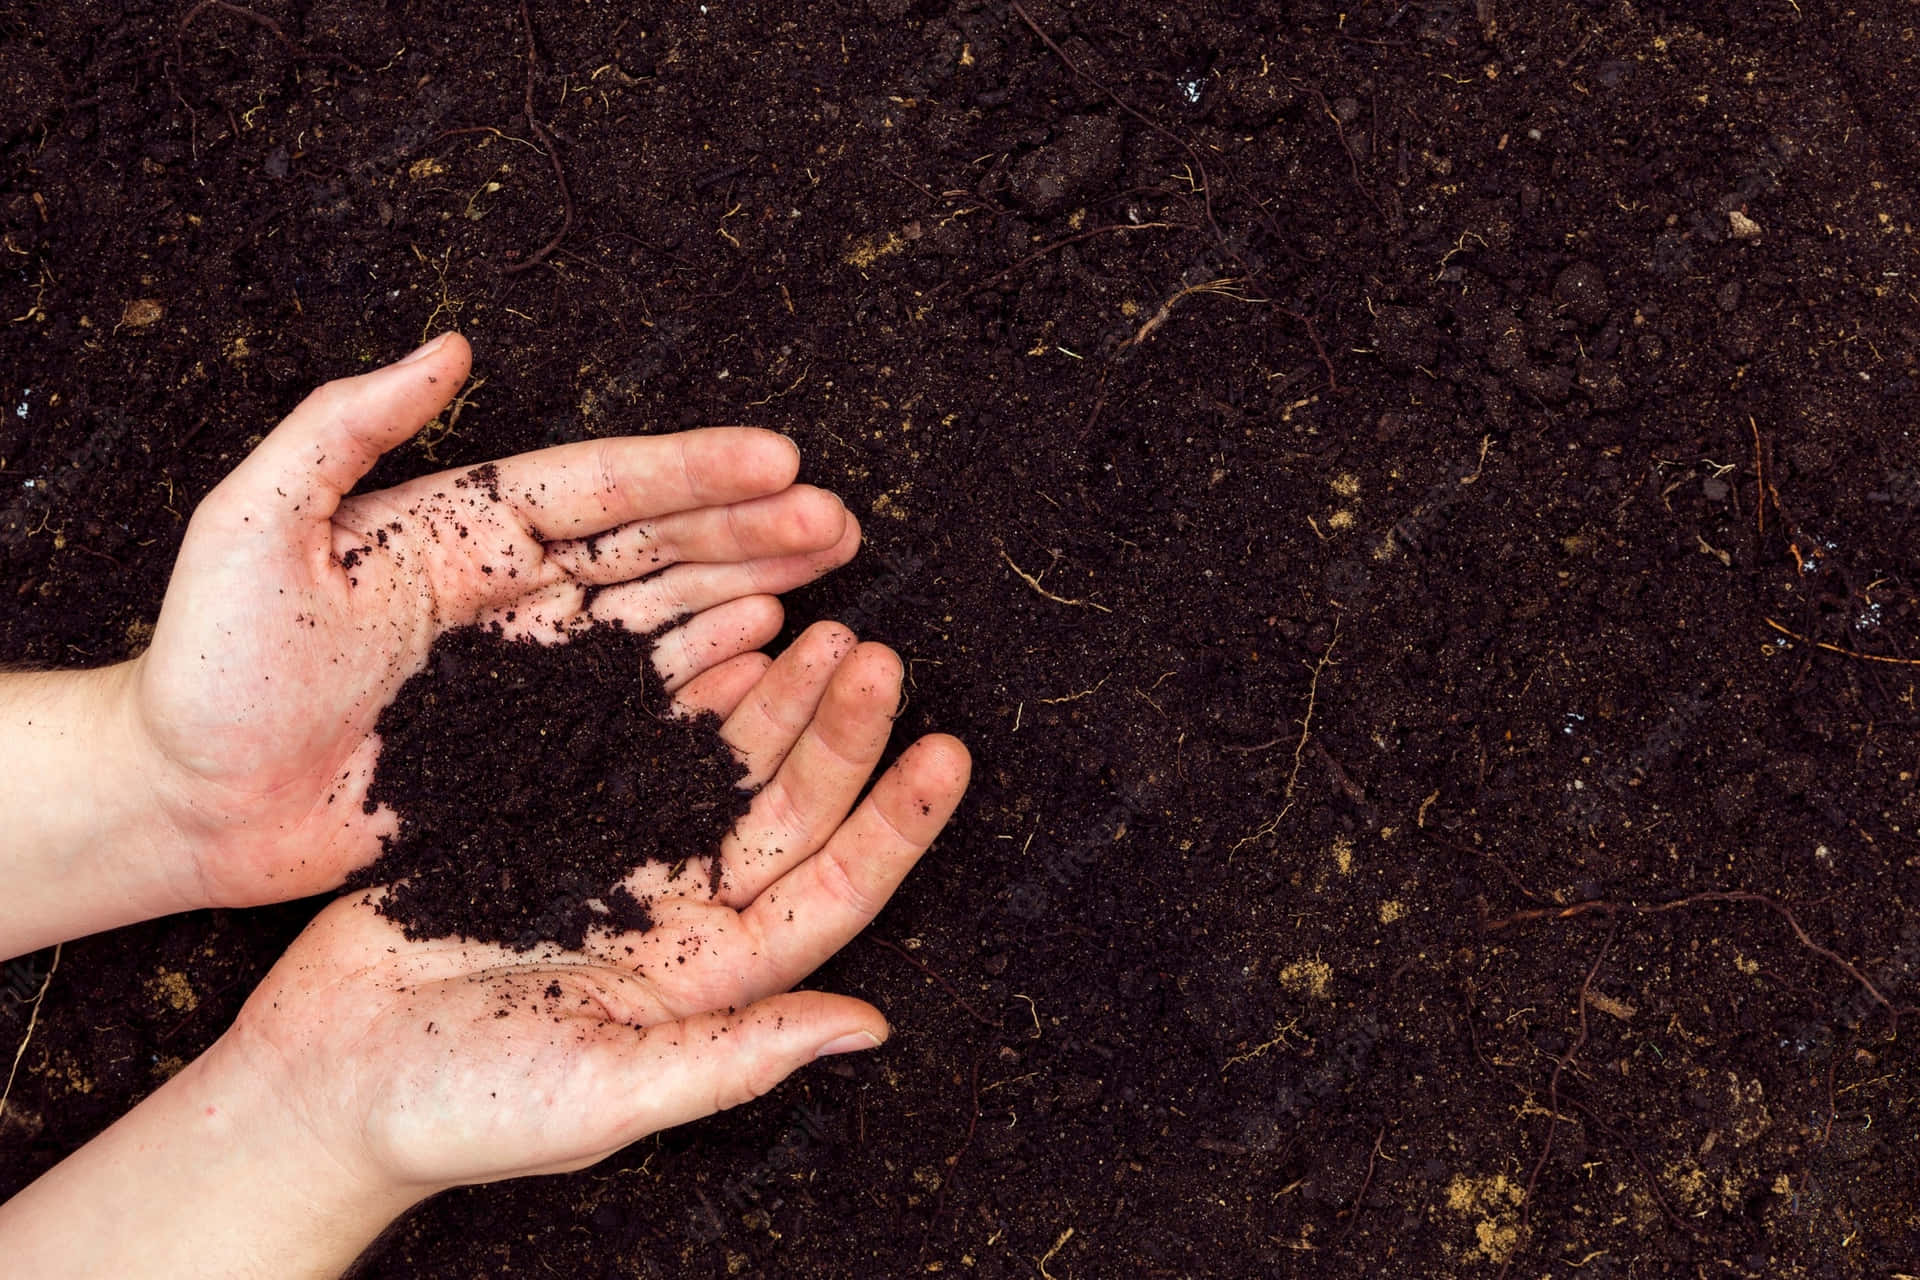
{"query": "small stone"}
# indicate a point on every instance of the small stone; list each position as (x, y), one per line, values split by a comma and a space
(141, 312)
(1742, 227)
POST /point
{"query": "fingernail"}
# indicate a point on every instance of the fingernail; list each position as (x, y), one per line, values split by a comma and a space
(426, 350)
(852, 1043)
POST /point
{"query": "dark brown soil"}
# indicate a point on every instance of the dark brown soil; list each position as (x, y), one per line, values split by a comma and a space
(529, 779)
(1344, 469)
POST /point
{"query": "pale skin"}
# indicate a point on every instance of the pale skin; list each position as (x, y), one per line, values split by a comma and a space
(368, 1072)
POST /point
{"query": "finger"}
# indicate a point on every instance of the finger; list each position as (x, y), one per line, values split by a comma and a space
(770, 719)
(721, 689)
(680, 1071)
(708, 639)
(819, 778)
(578, 490)
(687, 589)
(548, 614)
(817, 907)
(299, 473)
(798, 519)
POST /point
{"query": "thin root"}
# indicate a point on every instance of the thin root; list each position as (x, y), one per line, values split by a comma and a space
(1048, 1256)
(553, 154)
(1847, 653)
(1696, 899)
(33, 1020)
(946, 986)
(1064, 241)
(1075, 697)
(1204, 182)
(1281, 1032)
(1034, 582)
(1226, 287)
(1272, 824)
(237, 11)
(436, 433)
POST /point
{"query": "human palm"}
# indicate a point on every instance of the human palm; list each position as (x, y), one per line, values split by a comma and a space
(429, 1064)
(295, 613)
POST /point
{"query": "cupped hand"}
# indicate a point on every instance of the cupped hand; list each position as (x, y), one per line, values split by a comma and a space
(295, 612)
(422, 1065)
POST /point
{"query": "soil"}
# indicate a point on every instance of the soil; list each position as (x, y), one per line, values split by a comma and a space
(1413, 507)
(529, 779)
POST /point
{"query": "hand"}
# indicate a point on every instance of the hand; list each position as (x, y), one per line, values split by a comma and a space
(429, 1064)
(369, 1072)
(295, 613)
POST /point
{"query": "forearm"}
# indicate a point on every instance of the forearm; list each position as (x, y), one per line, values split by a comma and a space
(84, 847)
(209, 1176)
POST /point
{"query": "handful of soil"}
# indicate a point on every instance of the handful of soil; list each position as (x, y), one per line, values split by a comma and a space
(530, 779)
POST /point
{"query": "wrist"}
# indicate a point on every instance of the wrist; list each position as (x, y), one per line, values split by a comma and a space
(302, 1167)
(214, 1174)
(90, 847)
(156, 860)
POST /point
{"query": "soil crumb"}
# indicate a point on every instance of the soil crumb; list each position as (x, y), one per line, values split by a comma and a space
(530, 779)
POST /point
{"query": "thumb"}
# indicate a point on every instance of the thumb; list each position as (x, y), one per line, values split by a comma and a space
(684, 1070)
(320, 451)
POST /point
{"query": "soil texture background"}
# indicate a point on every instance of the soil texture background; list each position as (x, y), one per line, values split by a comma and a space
(1414, 507)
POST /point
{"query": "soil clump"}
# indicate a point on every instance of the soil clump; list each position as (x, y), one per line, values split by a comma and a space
(529, 779)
